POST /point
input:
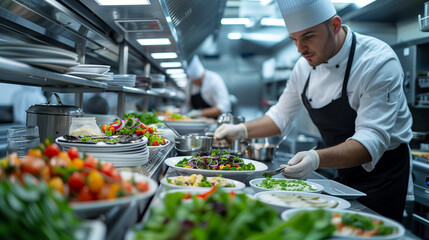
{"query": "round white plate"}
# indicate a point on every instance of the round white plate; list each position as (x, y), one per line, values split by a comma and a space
(90, 68)
(53, 61)
(96, 208)
(238, 185)
(257, 181)
(237, 175)
(281, 206)
(160, 146)
(388, 222)
(102, 144)
(88, 75)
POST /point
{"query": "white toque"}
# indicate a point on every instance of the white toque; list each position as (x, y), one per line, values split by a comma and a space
(195, 68)
(302, 14)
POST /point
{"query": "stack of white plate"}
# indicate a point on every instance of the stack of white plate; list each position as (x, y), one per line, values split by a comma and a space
(47, 57)
(92, 72)
(126, 80)
(119, 154)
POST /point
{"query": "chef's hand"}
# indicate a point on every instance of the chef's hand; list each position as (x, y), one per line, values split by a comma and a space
(302, 165)
(231, 131)
(194, 113)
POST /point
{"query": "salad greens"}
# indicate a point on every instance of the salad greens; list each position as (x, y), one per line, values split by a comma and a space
(366, 223)
(230, 216)
(285, 184)
(145, 117)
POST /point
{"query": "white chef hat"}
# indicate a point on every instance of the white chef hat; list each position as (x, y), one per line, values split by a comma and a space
(195, 68)
(303, 14)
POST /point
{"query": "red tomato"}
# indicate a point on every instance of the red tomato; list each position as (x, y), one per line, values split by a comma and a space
(139, 132)
(116, 175)
(73, 153)
(76, 182)
(112, 129)
(32, 165)
(127, 187)
(150, 130)
(163, 141)
(52, 150)
(107, 168)
(142, 186)
(104, 128)
(144, 130)
(143, 126)
(155, 143)
(90, 162)
(85, 195)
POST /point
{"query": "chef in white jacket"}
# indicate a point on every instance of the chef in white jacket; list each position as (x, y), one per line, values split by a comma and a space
(351, 86)
(207, 94)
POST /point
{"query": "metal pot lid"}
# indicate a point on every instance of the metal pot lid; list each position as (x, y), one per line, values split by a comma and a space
(51, 109)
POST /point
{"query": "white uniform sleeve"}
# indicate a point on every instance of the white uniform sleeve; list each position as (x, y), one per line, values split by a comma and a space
(215, 93)
(288, 105)
(378, 110)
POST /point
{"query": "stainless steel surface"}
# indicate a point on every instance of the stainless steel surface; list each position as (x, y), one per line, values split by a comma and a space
(261, 151)
(172, 129)
(421, 178)
(189, 145)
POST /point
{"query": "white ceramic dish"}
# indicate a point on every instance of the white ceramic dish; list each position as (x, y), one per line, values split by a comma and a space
(255, 182)
(237, 175)
(53, 61)
(90, 68)
(102, 144)
(337, 189)
(96, 208)
(88, 75)
(388, 222)
(238, 185)
(280, 205)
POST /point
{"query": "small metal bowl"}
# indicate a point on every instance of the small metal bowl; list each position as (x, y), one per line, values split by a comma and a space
(261, 152)
(189, 145)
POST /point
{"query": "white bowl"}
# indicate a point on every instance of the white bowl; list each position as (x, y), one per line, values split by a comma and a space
(270, 198)
(388, 222)
(238, 185)
(255, 182)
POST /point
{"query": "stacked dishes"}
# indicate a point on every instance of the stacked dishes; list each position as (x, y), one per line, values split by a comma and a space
(126, 80)
(46, 57)
(119, 154)
(92, 72)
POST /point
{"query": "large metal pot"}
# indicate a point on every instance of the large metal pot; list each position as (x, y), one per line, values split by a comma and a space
(53, 120)
(261, 151)
(189, 145)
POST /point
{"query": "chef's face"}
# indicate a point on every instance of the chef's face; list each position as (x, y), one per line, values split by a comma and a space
(319, 43)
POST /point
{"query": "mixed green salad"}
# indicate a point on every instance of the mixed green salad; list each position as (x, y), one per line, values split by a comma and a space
(198, 180)
(217, 160)
(285, 184)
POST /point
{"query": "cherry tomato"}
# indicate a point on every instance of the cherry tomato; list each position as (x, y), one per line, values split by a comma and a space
(163, 141)
(85, 195)
(142, 186)
(32, 165)
(144, 130)
(104, 128)
(61, 160)
(139, 132)
(107, 168)
(76, 182)
(155, 143)
(90, 162)
(127, 187)
(150, 129)
(35, 153)
(52, 150)
(116, 175)
(112, 129)
(95, 181)
(57, 184)
(73, 153)
(77, 163)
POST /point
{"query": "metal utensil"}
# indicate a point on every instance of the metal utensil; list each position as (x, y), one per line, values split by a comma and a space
(172, 129)
(284, 138)
(279, 170)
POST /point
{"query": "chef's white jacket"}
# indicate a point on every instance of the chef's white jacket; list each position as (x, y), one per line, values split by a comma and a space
(213, 91)
(374, 91)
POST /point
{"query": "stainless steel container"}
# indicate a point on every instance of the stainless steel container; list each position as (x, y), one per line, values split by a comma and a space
(236, 147)
(261, 151)
(53, 120)
(189, 145)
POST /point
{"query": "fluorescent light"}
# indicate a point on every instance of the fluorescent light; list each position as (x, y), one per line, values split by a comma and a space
(166, 55)
(234, 36)
(235, 21)
(122, 2)
(153, 41)
(181, 82)
(178, 75)
(170, 64)
(174, 70)
(272, 22)
(359, 3)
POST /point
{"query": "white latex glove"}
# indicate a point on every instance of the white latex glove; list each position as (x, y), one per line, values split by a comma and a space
(194, 113)
(231, 131)
(302, 165)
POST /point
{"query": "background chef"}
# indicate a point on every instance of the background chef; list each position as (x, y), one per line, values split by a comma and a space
(207, 94)
(351, 86)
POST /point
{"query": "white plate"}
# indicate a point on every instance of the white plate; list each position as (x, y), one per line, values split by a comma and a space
(281, 206)
(237, 175)
(238, 185)
(53, 61)
(87, 75)
(96, 208)
(388, 222)
(90, 68)
(102, 144)
(254, 182)
(337, 189)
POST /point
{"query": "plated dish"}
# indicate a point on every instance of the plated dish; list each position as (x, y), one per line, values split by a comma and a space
(198, 181)
(283, 184)
(346, 223)
(282, 200)
(337, 189)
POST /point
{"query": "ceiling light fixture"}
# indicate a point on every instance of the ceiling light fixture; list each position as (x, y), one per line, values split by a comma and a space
(166, 55)
(273, 22)
(178, 75)
(153, 41)
(234, 36)
(122, 2)
(235, 21)
(174, 70)
(170, 64)
(359, 3)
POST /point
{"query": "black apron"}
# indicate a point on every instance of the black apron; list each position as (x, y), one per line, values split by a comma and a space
(198, 102)
(386, 185)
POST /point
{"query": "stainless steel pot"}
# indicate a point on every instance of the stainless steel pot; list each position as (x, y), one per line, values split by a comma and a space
(53, 120)
(261, 151)
(189, 145)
